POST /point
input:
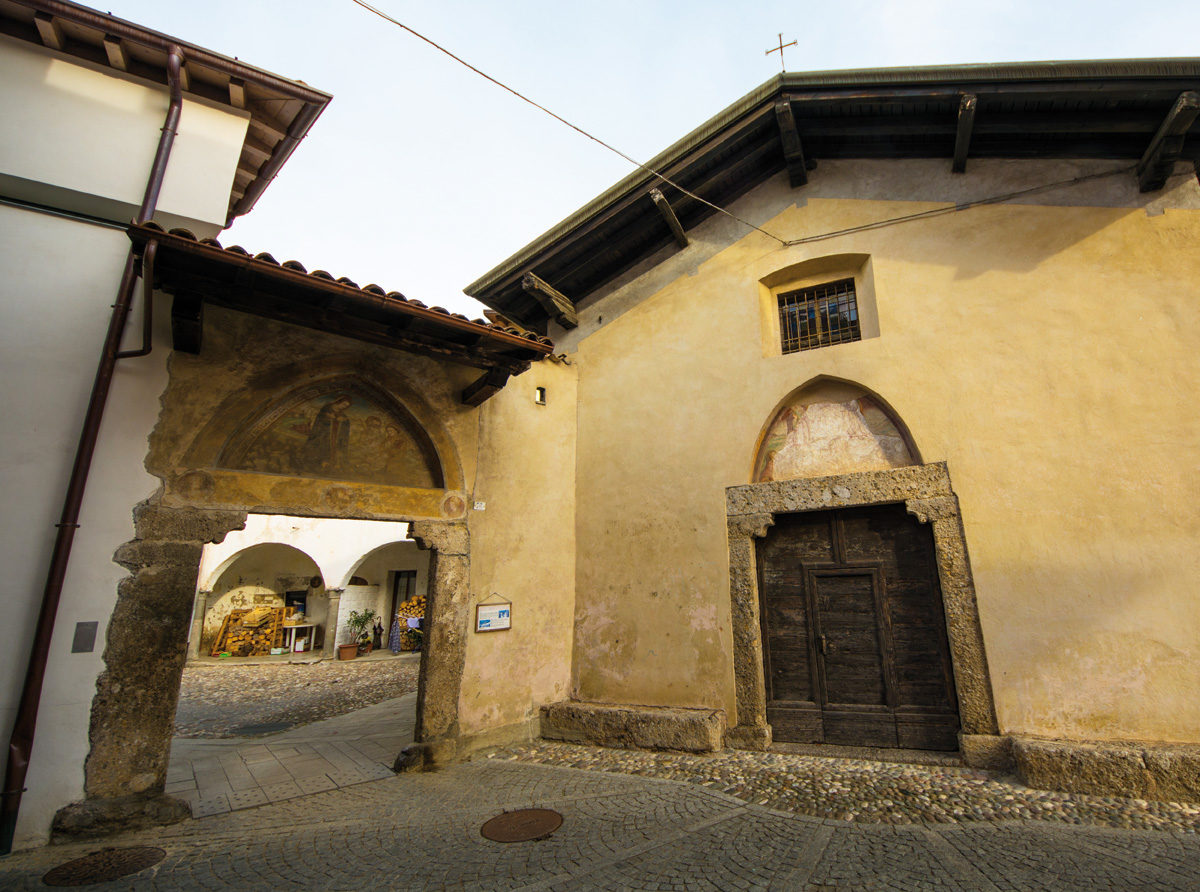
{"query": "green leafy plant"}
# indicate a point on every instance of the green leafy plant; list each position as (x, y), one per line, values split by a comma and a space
(358, 623)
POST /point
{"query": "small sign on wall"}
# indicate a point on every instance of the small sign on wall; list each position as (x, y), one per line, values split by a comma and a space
(493, 617)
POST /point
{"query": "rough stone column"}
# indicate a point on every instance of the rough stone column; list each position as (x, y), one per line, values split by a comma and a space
(329, 645)
(751, 731)
(199, 608)
(976, 710)
(133, 712)
(444, 654)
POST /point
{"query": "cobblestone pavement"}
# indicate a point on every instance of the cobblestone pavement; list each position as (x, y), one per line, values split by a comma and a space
(619, 832)
(216, 776)
(220, 700)
(877, 792)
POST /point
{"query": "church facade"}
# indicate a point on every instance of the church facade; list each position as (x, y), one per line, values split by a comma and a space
(889, 450)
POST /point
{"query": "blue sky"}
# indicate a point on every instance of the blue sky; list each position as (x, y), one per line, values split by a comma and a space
(421, 176)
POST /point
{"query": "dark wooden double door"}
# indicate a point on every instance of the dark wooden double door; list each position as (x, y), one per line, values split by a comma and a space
(854, 635)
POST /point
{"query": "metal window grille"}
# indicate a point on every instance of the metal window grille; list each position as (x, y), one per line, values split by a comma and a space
(818, 316)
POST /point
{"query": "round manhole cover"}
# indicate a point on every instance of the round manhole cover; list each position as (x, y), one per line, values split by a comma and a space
(522, 825)
(103, 866)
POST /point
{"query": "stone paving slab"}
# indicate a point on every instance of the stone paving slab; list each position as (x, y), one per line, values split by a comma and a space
(421, 831)
(215, 776)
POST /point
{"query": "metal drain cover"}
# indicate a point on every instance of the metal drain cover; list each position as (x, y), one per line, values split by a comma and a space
(522, 825)
(103, 866)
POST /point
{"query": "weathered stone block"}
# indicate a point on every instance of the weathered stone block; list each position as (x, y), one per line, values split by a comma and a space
(185, 524)
(989, 751)
(1110, 769)
(645, 727)
(97, 817)
(1176, 772)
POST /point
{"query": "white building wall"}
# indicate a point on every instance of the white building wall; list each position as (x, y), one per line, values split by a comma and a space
(81, 137)
(90, 138)
(337, 546)
(341, 549)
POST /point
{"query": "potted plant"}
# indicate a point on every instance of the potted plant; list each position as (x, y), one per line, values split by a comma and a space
(357, 625)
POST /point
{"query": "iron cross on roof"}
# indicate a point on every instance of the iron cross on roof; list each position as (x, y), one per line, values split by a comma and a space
(779, 49)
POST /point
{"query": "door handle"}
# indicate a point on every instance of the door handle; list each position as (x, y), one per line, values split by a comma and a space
(824, 644)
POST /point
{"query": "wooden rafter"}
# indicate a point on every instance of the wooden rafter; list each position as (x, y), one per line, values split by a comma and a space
(488, 384)
(115, 51)
(966, 125)
(50, 31)
(793, 150)
(556, 304)
(1167, 145)
(668, 215)
(237, 92)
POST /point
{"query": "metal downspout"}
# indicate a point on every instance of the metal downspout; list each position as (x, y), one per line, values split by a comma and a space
(20, 744)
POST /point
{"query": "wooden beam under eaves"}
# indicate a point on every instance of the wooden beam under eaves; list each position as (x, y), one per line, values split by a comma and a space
(793, 150)
(1167, 145)
(116, 53)
(668, 215)
(556, 304)
(237, 92)
(966, 125)
(488, 384)
(50, 31)
(187, 322)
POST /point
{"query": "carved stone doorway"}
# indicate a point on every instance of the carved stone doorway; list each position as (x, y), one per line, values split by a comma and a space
(926, 494)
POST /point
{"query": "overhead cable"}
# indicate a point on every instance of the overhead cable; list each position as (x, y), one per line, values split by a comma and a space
(786, 243)
(596, 139)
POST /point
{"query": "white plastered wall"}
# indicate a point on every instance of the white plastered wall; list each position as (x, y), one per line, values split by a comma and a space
(83, 138)
(340, 548)
(79, 140)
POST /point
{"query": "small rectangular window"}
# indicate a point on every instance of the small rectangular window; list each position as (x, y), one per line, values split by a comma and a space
(818, 316)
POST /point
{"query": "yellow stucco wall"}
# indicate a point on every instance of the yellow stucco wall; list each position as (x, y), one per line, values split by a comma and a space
(523, 549)
(1044, 350)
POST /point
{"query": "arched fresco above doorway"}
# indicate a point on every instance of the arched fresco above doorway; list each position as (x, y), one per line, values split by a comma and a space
(832, 427)
(341, 429)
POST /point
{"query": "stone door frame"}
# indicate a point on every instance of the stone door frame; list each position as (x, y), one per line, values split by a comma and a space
(926, 493)
(133, 711)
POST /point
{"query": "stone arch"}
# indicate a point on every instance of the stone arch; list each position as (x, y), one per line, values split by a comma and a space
(356, 565)
(829, 426)
(259, 575)
(214, 465)
(299, 434)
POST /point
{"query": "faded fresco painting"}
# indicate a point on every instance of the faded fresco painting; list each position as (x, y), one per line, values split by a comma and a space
(821, 438)
(340, 433)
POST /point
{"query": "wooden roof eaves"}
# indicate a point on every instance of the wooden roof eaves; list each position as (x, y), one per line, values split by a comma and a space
(312, 101)
(839, 84)
(499, 347)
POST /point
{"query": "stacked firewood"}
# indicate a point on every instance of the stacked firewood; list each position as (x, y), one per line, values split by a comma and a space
(413, 608)
(251, 633)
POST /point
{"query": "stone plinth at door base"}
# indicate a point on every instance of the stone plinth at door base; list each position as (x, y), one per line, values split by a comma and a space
(635, 727)
(1169, 772)
(99, 817)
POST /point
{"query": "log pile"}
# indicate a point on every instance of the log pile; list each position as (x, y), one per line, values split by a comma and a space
(250, 633)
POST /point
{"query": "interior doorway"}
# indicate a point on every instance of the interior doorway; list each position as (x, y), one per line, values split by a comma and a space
(855, 650)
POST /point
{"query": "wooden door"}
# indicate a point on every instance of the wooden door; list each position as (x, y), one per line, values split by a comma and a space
(854, 637)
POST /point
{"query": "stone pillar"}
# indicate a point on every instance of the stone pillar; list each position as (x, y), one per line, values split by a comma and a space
(446, 626)
(975, 707)
(751, 731)
(329, 645)
(199, 608)
(133, 712)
